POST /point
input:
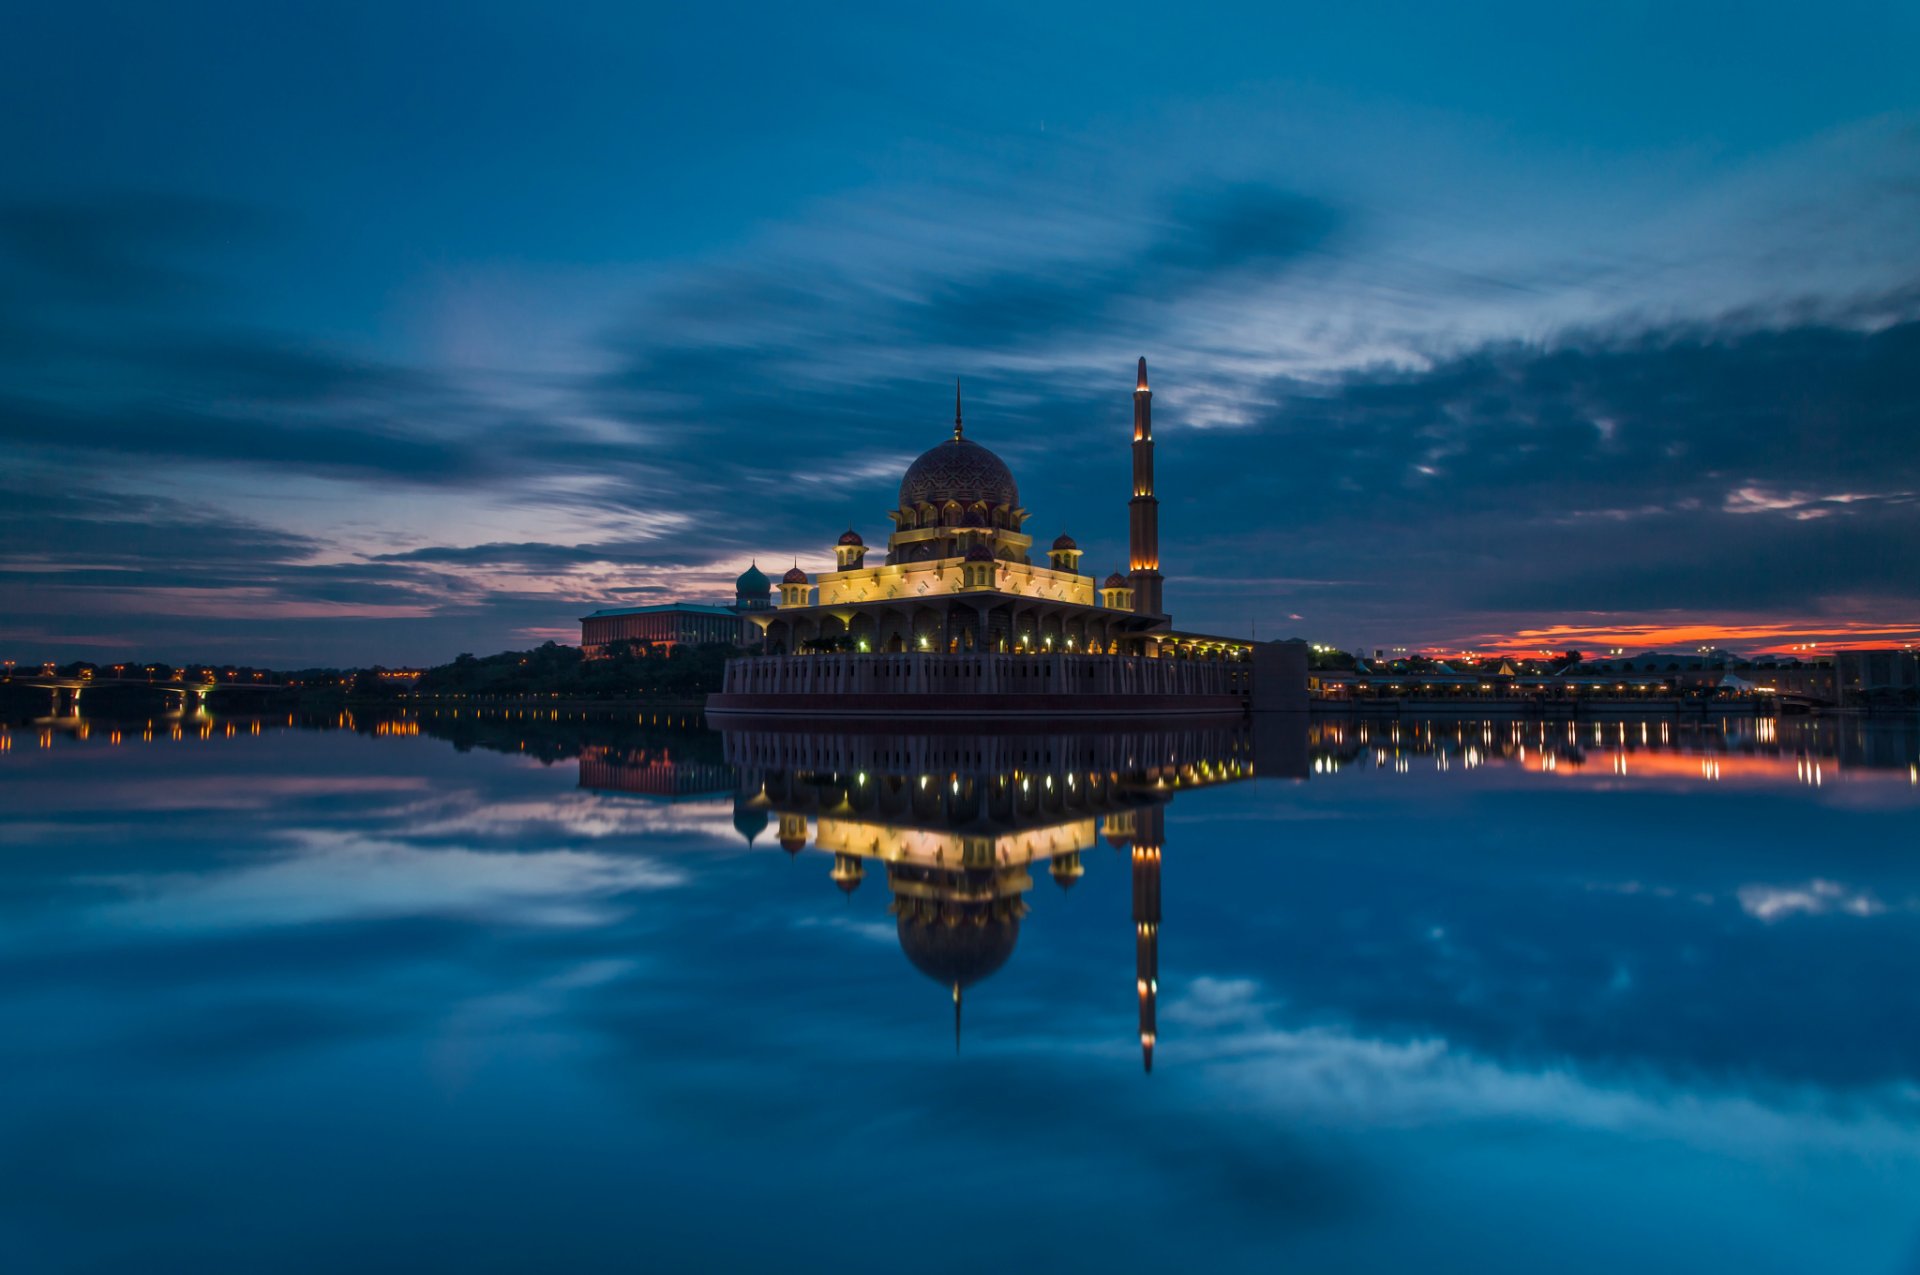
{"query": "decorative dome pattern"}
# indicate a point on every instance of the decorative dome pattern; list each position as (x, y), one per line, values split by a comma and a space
(1116, 581)
(794, 576)
(1064, 541)
(851, 537)
(958, 469)
(979, 553)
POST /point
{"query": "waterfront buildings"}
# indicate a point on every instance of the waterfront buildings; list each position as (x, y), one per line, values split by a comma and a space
(666, 625)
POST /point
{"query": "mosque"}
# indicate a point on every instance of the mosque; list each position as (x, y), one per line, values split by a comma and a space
(960, 575)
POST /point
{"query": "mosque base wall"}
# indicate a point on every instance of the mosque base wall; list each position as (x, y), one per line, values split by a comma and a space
(936, 685)
(1039, 707)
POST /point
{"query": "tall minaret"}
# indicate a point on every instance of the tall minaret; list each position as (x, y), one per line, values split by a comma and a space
(1143, 511)
(1146, 924)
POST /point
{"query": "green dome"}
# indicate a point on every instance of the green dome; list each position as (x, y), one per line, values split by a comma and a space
(753, 583)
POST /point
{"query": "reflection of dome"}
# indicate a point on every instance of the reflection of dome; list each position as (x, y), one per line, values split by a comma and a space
(794, 576)
(1064, 541)
(851, 537)
(958, 469)
(1116, 581)
(749, 822)
(958, 955)
(792, 844)
(979, 553)
(753, 582)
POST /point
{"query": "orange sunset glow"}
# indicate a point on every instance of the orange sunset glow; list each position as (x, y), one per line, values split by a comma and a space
(1787, 637)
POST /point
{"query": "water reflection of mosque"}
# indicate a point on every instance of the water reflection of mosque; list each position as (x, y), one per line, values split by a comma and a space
(957, 825)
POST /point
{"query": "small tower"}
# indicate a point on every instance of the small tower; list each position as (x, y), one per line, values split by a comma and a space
(851, 551)
(795, 591)
(1065, 554)
(979, 568)
(1117, 593)
(1066, 869)
(793, 833)
(848, 871)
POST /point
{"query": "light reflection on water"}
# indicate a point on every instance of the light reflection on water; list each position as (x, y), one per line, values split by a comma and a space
(582, 991)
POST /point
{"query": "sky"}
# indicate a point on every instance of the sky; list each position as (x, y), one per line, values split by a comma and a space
(343, 333)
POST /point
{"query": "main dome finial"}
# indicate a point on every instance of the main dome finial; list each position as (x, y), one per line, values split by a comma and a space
(956, 409)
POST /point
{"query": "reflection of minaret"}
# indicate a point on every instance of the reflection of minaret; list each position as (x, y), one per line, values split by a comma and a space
(1146, 922)
(1143, 511)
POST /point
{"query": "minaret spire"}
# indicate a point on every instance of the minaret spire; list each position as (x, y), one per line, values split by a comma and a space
(956, 409)
(1143, 511)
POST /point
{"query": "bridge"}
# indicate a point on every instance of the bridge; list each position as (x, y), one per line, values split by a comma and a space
(66, 691)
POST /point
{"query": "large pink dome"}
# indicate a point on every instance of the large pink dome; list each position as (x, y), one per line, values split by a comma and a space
(958, 469)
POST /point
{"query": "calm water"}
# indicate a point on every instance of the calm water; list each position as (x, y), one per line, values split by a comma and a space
(507, 994)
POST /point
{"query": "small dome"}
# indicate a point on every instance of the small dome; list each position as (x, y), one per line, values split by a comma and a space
(1116, 581)
(958, 469)
(753, 583)
(979, 553)
(851, 537)
(974, 518)
(1064, 541)
(792, 844)
(794, 576)
(749, 822)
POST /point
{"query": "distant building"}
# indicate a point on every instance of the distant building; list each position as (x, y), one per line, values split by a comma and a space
(1863, 676)
(669, 624)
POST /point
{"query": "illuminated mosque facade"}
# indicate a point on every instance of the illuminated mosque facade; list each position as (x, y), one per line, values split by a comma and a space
(961, 575)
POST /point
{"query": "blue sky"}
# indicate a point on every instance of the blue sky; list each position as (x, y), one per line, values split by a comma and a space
(354, 333)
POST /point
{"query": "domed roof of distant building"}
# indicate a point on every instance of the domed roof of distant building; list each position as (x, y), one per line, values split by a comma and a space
(1064, 541)
(752, 581)
(749, 822)
(794, 576)
(1116, 581)
(792, 844)
(979, 553)
(851, 537)
(958, 469)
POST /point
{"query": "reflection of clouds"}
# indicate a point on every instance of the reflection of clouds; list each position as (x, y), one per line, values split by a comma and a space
(176, 792)
(584, 814)
(344, 876)
(1815, 898)
(873, 931)
(1328, 1075)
